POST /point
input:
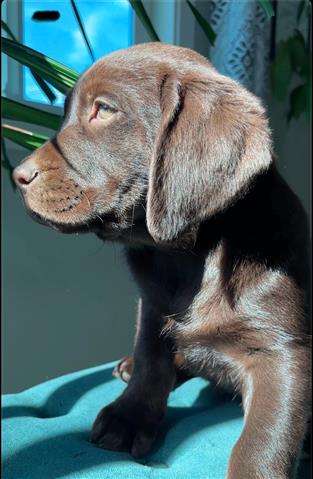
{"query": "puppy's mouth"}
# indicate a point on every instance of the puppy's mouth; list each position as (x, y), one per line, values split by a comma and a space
(58, 207)
(68, 210)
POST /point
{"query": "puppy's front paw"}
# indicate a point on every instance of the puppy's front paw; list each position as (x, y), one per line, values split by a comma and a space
(126, 426)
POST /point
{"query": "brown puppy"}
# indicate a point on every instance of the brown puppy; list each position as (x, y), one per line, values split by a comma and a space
(161, 152)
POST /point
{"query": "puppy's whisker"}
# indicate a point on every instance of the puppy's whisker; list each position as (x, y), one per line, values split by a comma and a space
(100, 219)
(84, 194)
(169, 316)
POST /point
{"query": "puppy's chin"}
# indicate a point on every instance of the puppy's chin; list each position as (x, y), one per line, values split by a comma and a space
(66, 228)
(99, 224)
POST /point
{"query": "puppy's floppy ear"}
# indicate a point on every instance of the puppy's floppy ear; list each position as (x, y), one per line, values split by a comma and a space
(213, 139)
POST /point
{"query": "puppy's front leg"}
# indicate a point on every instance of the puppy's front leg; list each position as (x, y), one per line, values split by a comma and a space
(131, 422)
(276, 398)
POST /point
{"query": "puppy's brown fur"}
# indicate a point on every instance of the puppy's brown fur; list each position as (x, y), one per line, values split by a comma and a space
(182, 173)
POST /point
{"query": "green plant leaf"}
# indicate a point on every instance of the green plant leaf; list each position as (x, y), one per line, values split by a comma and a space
(60, 76)
(5, 163)
(281, 71)
(300, 101)
(7, 30)
(44, 87)
(22, 137)
(41, 83)
(304, 6)
(267, 7)
(82, 29)
(206, 27)
(299, 57)
(13, 110)
(300, 10)
(141, 13)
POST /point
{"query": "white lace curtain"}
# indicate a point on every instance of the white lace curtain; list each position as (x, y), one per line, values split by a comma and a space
(242, 46)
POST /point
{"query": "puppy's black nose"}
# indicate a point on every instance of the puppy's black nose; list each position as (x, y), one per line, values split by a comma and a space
(24, 174)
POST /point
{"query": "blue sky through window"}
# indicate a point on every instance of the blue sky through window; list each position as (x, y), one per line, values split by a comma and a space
(108, 25)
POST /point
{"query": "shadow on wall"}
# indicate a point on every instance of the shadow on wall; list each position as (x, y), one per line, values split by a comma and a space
(68, 300)
(292, 145)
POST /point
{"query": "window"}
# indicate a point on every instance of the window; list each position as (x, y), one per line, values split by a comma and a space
(112, 25)
(108, 26)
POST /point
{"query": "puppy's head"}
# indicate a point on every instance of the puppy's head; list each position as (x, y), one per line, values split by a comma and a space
(154, 126)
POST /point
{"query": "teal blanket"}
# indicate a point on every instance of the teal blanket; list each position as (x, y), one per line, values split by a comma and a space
(45, 432)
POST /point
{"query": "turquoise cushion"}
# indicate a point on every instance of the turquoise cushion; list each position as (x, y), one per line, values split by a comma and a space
(46, 430)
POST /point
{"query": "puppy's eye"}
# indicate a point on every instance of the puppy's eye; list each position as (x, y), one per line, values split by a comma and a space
(104, 111)
(101, 111)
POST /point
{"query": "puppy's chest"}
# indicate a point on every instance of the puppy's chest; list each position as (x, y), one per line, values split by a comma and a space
(170, 281)
(187, 290)
(197, 332)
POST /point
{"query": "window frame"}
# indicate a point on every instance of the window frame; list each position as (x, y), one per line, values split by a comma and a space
(171, 19)
(13, 71)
